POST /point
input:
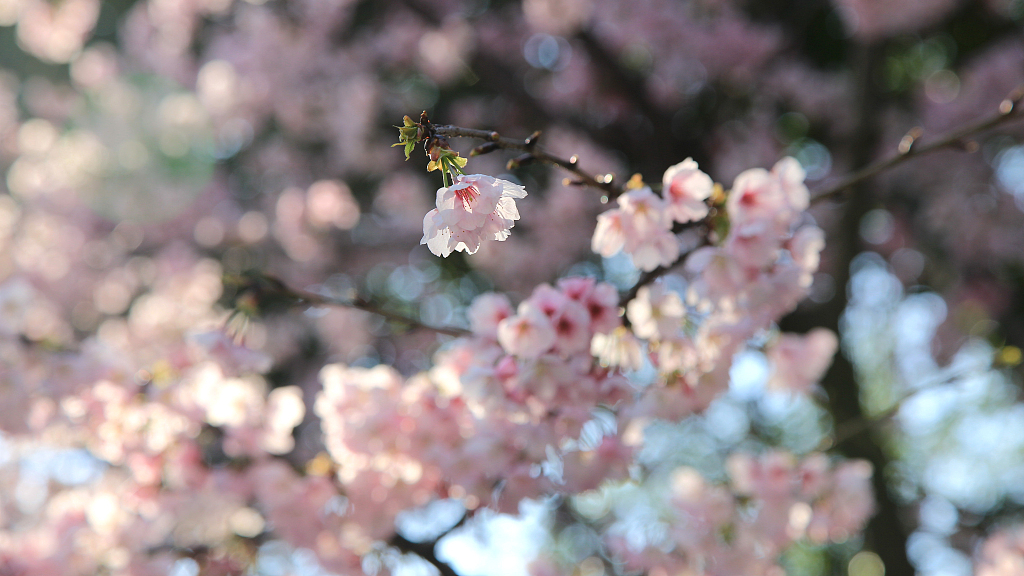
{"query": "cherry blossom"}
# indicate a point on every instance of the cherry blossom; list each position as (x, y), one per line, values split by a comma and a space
(473, 209)
(199, 167)
(529, 333)
(641, 227)
(599, 298)
(487, 312)
(1002, 553)
(798, 362)
(656, 313)
(686, 189)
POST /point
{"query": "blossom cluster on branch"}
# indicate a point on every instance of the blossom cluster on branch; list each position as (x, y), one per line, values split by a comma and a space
(239, 336)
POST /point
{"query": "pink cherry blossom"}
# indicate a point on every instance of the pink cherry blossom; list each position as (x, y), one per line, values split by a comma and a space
(486, 312)
(641, 227)
(754, 244)
(600, 299)
(572, 328)
(659, 249)
(791, 177)
(775, 197)
(656, 312)
(647, 213)
(528, 334)
(569, 317)
(473, 209)
(798, 362)
(769, 476)
(755, 195)
(686, 189)
(844, 508)
(1002, 554)
(549, 300)
(610, 233)
(577, 287)
(806, 246)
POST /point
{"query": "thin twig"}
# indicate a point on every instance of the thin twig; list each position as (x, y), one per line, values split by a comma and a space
(605, 182)
(847, 430)
(1009, 109)
(844, 431)
(360, 303)
(652, 275)
(648, 277)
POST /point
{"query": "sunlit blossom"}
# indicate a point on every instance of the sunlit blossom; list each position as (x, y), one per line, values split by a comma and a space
(473, 209)
(686, 190)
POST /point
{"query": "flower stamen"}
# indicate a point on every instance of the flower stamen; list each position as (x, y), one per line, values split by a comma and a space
(468, 196)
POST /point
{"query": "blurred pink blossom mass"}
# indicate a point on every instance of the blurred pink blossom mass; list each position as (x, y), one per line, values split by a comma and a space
(703, 287)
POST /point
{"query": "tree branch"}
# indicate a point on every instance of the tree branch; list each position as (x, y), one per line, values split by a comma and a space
(359, 303)
(532, 151)
(1009, 109)
(257, 292)
(648, 277)
(426, 549)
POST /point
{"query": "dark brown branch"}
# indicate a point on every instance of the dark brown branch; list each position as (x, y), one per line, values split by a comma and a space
(426, 549)
(360, 303)
(1009, 109)
(645, 279)
(648, 277)
(256, 293)
(604, 183)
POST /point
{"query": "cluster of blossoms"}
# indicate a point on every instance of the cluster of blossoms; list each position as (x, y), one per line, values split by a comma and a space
(692, 327)
(1002, 554)
(481, 426)
(561, 320)
(694, 324)
(138, 439)
(740, 527)
(642, 224)
(143, 398)
(535, 401)
(513, 412)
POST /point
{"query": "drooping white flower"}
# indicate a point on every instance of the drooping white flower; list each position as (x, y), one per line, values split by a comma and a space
(473, 209)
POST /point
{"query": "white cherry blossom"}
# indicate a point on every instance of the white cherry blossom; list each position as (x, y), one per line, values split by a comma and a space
(473, 209)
